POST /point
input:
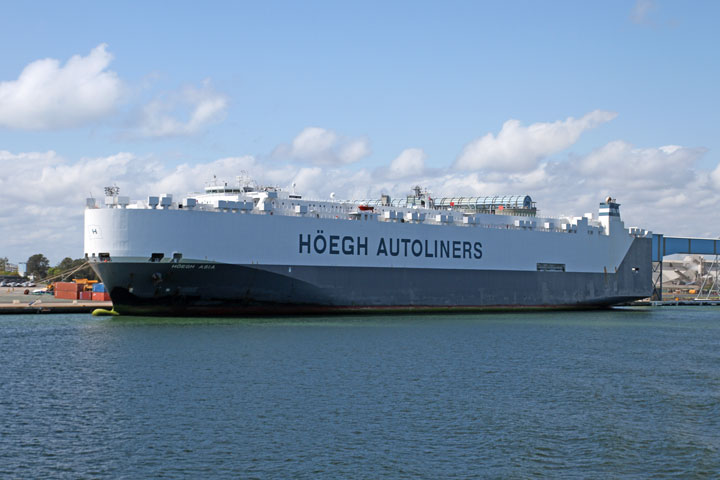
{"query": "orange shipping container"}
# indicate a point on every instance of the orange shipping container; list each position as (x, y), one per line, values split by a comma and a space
(67, 287)
(66, 295)
(101, 296)
(85, 295)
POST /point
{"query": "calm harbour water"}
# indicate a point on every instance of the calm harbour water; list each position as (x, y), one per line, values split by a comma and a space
(631, 393)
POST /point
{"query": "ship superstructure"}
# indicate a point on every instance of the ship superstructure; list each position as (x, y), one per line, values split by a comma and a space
(246, 249)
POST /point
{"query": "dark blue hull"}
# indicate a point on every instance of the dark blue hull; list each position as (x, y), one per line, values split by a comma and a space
(222, 289)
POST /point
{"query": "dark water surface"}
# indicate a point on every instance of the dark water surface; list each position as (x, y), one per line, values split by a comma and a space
(619, 394)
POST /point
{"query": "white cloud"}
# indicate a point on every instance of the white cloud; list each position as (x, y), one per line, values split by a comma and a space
(186, 178)
(519, 148)
(660, 188)
(320, 146)
(353, 151)
(639, 177)
(44, 194)
(313, 141)
(309, 179)
(715, 176)
(182, 113)
(41, 193)
(48, 95)
(410, 162)
(621, 161)
(641, 11)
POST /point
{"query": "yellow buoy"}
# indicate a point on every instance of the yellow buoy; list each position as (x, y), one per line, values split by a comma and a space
(101, 312)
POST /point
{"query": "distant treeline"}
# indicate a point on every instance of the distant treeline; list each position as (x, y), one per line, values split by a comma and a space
(39, 267)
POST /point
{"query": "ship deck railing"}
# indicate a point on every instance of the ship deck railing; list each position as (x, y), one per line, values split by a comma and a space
(344, 211)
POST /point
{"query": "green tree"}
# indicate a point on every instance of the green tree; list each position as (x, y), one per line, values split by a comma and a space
(66, 270)
(3, 264)
(85, 272)
(38, 266)
(66, 264)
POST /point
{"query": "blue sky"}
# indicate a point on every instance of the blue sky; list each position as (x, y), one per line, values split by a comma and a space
(358, 98)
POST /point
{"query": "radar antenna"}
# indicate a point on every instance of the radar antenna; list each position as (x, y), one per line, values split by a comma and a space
(245, 180)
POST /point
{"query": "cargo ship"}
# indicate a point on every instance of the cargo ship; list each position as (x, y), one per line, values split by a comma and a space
(250, 250)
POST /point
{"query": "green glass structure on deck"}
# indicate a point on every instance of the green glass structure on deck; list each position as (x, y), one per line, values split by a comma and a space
(516, 202)
(498, 204)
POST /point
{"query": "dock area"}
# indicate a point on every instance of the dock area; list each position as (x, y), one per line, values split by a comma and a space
(679, 303)
(15, 301)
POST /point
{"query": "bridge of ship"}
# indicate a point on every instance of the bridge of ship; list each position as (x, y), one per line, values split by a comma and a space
(664, 246)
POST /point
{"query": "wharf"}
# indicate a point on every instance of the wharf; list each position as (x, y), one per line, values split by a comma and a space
(16, 302)
(677, 303)
(80, 307)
